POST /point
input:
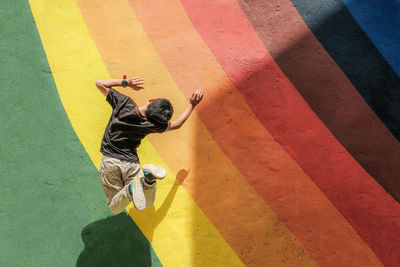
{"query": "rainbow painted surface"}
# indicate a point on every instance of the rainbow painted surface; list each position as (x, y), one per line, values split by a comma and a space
(290, 160)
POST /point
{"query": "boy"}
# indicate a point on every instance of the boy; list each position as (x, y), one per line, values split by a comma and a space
(121, 176)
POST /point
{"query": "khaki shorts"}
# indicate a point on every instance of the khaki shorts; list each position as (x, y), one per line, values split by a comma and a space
(115, 175)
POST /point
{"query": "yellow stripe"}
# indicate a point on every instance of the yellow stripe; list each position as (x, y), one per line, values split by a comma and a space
(214, 182)
(176, 228)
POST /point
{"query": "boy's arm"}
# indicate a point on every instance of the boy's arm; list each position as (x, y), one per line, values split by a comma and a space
(104, 85)
(195, 99)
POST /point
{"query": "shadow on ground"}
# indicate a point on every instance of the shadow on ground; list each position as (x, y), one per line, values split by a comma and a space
(151, 217)
(115, 241)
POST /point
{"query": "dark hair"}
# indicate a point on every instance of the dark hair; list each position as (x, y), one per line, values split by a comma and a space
(159, 111)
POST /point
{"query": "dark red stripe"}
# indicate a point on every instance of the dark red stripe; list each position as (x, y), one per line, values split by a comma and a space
(370, 210)
(341, 36)
(324, 85)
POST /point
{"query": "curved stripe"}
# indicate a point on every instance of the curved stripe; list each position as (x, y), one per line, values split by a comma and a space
(330, 166)
(214, 182)
(49, 187)
(174, 214)
(309, 67)
(380, 20)
(327, 90)
(272, 173)
(358, 58)
(252, 230)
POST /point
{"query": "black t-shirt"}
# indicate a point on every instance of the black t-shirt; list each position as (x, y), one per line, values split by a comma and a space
(126, 128)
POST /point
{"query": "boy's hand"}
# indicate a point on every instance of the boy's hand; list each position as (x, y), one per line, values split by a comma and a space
(135, 83)
(196, 97)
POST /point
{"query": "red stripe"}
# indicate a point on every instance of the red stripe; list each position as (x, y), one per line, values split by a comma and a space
(271, 171)
(372, 212)
(327, 89)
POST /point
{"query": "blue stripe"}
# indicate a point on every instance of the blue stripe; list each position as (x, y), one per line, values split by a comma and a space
(380, 21)
(371, 74)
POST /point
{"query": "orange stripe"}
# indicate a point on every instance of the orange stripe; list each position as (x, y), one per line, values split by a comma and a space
(318, 152)
(76, 64)
(272, 173)
(237, 211)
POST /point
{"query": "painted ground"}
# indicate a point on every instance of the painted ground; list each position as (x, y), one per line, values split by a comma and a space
(292, 158)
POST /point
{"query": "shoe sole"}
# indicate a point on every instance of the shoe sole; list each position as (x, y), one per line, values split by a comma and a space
(138, 197)
(157, 171)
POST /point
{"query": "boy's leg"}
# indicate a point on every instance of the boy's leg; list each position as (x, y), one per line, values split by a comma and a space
(117, 193)
(132, 177)
(150, 193)
(152, 173)
(142, 193)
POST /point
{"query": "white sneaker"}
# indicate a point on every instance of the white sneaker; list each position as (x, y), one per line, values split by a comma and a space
(153, 171)
(136, 190)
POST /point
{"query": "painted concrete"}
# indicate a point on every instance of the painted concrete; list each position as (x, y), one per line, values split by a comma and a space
(380, 20)
(286, 162)
(52, 211)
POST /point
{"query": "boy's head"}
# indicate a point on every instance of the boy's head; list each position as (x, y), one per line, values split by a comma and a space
(159, 111)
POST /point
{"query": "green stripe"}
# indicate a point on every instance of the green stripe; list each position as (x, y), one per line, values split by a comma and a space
(53, 211)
